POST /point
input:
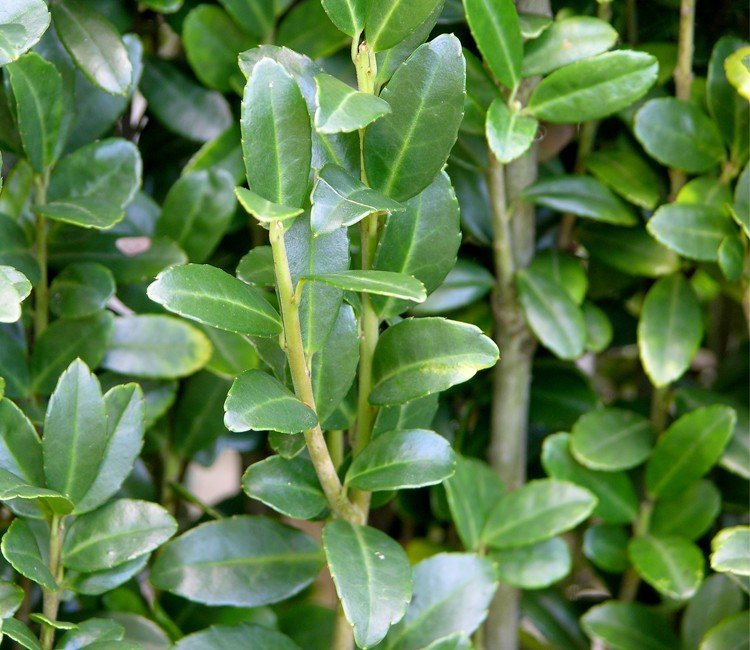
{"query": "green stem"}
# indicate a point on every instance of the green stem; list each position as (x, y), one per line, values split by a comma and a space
(295, 352)
(336, 447)
(41, 291)
(51, 598)
(631, 580)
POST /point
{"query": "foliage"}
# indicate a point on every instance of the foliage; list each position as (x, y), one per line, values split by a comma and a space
(300, 234)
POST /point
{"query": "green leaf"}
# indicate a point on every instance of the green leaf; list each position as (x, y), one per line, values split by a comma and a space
(599, 331)
(39, 122)
(14, 246)
(534, 567)
(23, 23)
(276, 139)
(125, 408)
(452, 592)
(14, 288)
(606, 546)
(481, 91)
(230, 637)
(422, 241)
(672, 565)
(21, 634)
(348, 15)
(81, 290)
(197, 212)
(118, 532)
(593, 88)
(74, 432)
(687, 514)
(553, 316)
(537, 511)
(372, 577)
(731, 257)
(695, 231)
(382, 283)
(256, 17)
(688, 449)
(91, 632)
(290, 487)
(466, 283)
(341, 109)
(263, 210)
(21, 450)
(533, 25)
(98, 582)
(565, 41)
(509, 134)
(404, 150)
(140, 631)
(92, 186)
(25, 545)
(389, 23)
(583, 196)
(55, 624)
(417, 357)
(223, 152)
(257, 267)
(416, 414)
(242, 561)
(731, 632)
(94, 45)
(212, 42)
(51, 502)
(182, 106)
(737, 68)
(209, 295)
(402, 459)
(497, 32)
(339, 199)
(730, 551)
(679, 134)
(258, 402)
(158, 347)
(612, 439)
(563, 269)
(199, 415)
(617, 499)
(306, 28)
(670, 329)
(628, 626)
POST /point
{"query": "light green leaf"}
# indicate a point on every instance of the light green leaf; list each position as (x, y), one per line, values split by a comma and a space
(81, 290)
(593, 88)
(290, 487)
(628, 626)
(730, 551)
(372, 577)
(389, 23)
(339, 199)
(671, 565)
(402, 459)
(583, 196)
(537, 511)
(599, 331)
(564, 269)
(263, 210)
(404, 150)
(553, 316)
(258, 402)
(22, 23)
(382, 283)
(276, 139)
(348, 15)
(509, 134)
(155, 346)
(91, 632)
(533, 25)
(737, 69)
(417, 357)
(14, 288)
(679, 134)
(240, 561)
(612, 439)
(497, 32)
(342, 109)
(231, 637)
(209, 295)
(688, 449)
(536, 566)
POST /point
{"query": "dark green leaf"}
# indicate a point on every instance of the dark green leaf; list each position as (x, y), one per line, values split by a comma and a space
(21, 634)
(307, 29)
(342, 109)
(231, 637)
(688, 514)
(730, 633)
(347, 15)
(606, 545)
(466, 283)
(81, 290)
(262, 209)
(254, 16)
(628, 626)
(99, 582)
(26, 548)
(536, 566)
(672, 565)
(382, 283)
(389, 23)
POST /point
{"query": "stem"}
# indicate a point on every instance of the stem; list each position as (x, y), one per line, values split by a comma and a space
(295, 352)
(631, 580)
(51, 598)
(41, 291)
(336, 447)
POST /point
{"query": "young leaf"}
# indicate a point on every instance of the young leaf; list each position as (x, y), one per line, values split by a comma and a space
(118, 532)
(738, 71)
(497, 32)
(81, 290)
(670, 329)
(242, 562)
(536, 566)
(339, 199)
(14, 288)
(290, 487)
(341, 109)
(404, 150)
(688, 449)
(389, 23)
(276, 139)
(258, 402)
(672, 565)
(629, 626)
(730, 551)
(593, 88)
(382, 283)
(509, 134)
(94, 44)
(679, 134)
(348, 15)
(402, 459)
(417, 357)
(22, 25)
(537, 511)
(372, 577)
(262, 209)
(209, 295)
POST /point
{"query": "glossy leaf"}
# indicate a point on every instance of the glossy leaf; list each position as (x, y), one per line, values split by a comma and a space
(606, 546)
(22, 23)
(672, 565)
(347, 15)
(693, 230)
(729, 551)
(14, 288)
(509, 134)
(25, 545)
(382, 283)
(417, 357)
(342, 109)
(628, 626)
(738, 71)
(263, 210)
(536, 566)
(388, 23)
(372, 577)
(81, 290)
(687, 514)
